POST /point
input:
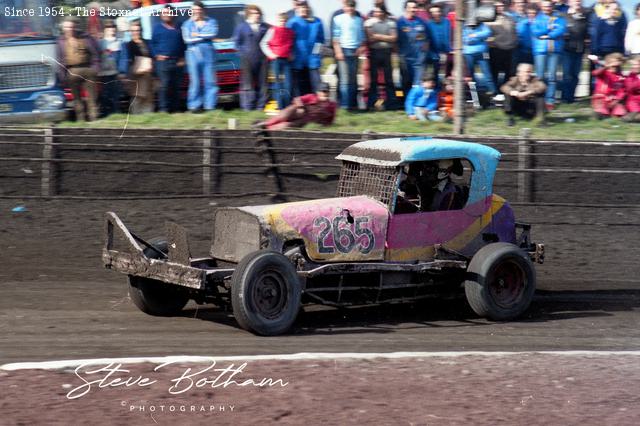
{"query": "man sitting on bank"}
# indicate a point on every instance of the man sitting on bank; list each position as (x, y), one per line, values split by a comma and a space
(524, 95)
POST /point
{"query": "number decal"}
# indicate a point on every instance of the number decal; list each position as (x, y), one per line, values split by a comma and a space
(346, 236)
(322, 234)
(361, 231)
(343, 238)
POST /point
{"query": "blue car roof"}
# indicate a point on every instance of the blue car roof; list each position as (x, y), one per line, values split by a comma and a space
(398, 151)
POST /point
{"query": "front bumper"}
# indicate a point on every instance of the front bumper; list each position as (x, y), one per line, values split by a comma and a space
(32, 116)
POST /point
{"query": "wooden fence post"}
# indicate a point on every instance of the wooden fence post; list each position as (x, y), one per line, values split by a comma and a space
(206, 162)
(525, 179)
(46, 175)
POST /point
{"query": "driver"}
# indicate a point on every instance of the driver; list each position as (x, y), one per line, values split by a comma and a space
(437, 191)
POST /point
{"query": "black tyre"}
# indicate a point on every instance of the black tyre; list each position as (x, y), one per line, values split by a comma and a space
(155, 297)
(501, 281)
(265, 293)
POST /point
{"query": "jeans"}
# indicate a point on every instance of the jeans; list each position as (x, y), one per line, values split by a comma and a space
(281, 69)
(500, 62)
(548, 64)
(110, 90)
(348, 69)
(201, 66)
(435, 63)
(571, 66)
(485, 81)
(170, 76)
(253, 83)
(424, 115)
(315, 79)
(301, 82)
(411, 70)
(381, 58)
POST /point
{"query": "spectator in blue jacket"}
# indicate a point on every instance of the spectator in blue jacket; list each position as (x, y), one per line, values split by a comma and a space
(307, 47)
(524, 53)
(413, 45)
(422, 102)
(440, 30)
(548, 44)
(254, 65)
(348, 41)
(198, 34)
(167, 47)
(474, 49)
(608, 31)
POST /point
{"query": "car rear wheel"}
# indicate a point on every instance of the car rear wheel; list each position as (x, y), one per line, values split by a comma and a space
(155, 297)
(265, 293)
(500, 282)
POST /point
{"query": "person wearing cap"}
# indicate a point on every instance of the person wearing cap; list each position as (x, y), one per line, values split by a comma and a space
(254, 66)
(198, 34)
(311, 108)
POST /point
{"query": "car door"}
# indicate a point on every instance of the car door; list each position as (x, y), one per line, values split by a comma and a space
(413, 236)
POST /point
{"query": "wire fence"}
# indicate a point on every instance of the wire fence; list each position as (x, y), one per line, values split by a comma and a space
(73, 163)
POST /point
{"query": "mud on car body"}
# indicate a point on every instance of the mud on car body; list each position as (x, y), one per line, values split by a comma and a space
(376, 242)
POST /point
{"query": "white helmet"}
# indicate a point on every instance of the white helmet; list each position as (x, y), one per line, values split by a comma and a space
(444, 169)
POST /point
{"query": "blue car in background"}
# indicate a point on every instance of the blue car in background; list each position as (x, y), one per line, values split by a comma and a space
(228, 14)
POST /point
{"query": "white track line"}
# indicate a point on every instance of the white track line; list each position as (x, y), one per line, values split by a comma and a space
(65, 364)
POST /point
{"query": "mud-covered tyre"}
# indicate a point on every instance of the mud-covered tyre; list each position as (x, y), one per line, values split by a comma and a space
(265, 293)
(155, 297)
(500, 282)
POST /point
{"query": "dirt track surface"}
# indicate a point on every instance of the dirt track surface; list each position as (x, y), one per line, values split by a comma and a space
(57, 302)
(465, 390)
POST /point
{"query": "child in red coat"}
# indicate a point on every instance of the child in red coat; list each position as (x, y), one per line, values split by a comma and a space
(609, 94)
(632, 89)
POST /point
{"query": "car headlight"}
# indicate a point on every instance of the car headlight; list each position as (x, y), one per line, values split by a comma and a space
(49, 101)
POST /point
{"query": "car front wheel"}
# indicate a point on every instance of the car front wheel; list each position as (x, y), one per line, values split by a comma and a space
(265, 293)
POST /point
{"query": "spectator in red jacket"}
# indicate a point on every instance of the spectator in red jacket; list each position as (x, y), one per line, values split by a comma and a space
(311, 108)
(632, 90)
(608, 96)
(277, 45)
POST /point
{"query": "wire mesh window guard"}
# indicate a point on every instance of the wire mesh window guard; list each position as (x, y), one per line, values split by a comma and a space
(366, 179)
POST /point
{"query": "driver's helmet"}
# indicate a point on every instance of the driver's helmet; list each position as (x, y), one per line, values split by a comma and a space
(444, 169)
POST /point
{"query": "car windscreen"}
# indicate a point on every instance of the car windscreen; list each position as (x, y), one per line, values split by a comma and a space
(227, 18)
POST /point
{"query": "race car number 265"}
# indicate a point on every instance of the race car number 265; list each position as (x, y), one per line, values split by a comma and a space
(347, 235)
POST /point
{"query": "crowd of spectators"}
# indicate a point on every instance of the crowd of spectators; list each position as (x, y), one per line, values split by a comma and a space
(515, 60)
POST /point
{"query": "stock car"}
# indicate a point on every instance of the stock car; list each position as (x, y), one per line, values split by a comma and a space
(359, 248)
